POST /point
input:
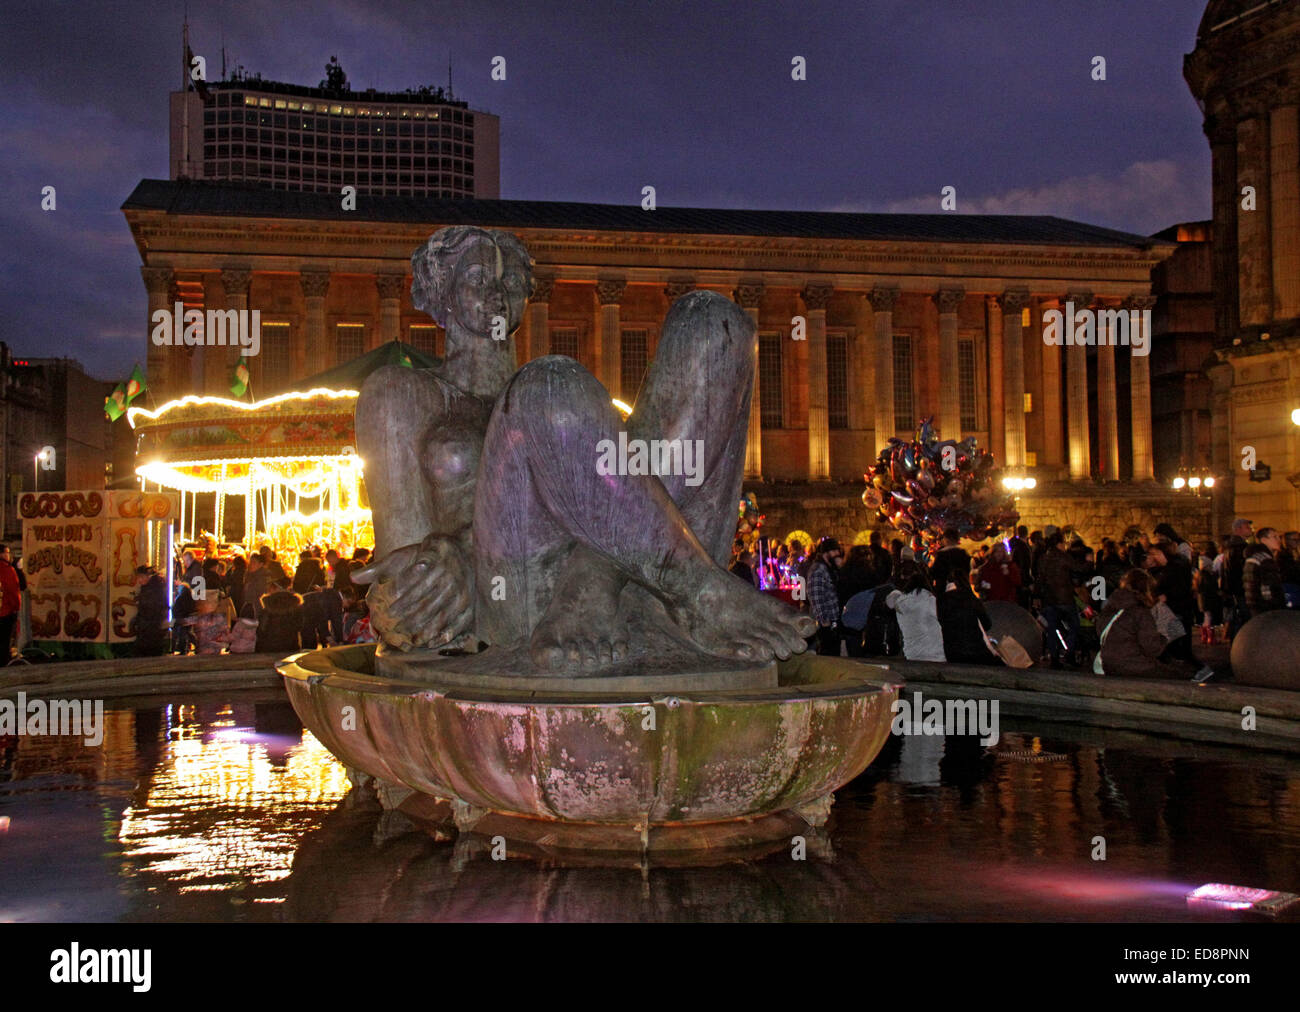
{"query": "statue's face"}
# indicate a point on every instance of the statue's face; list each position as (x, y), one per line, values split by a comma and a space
(487, 284)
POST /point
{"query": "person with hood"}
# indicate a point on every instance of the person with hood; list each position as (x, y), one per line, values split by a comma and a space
(1261, 576)
(1131, 644)
(280, 622)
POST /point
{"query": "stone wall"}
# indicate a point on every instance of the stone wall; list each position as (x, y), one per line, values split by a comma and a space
(1094, 511)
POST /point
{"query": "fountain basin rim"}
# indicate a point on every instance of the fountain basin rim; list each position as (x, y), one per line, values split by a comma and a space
(324, 666)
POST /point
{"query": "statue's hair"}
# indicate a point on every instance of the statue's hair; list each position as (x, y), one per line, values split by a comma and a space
(433, 263)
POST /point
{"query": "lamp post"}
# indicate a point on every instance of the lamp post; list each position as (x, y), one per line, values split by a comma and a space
(37, 461)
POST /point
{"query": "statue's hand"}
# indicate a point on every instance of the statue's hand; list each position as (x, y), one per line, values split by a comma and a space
(423, 595)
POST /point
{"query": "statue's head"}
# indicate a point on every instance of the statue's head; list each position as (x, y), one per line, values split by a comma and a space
(469, 275)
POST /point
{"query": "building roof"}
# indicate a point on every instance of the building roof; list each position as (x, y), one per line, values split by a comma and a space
(190, 197)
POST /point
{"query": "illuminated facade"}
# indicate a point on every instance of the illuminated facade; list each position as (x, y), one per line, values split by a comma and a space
(867, 323)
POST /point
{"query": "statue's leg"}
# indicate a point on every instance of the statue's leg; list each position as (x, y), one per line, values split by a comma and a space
(699, 387)
(541, 492)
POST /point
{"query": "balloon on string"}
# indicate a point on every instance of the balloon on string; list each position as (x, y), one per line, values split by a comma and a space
(924, 485)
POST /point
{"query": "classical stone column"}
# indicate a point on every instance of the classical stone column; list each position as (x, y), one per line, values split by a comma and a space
(816, 298)
(539, 319)
(180, 358)
(1140, 398)
(1051, 408)
(1107, 402)
(1013, 303)
(1077, 402)
(882, 306)
(997, 394)
(317, 352)
(235, 281)
(609, 337)
(949, 418)
(1284, 172)
(157, 283)
(390, 307)
(749, 295)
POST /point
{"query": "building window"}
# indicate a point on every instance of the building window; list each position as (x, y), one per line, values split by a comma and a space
(837, 380)
(275, 357)
(966, 383)
(423, 337)
(350, 340)
(634, 362)
(771, 382)
(564, 341)
(904, 407)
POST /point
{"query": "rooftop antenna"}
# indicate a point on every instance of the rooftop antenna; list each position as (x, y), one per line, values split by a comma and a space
(449, 73)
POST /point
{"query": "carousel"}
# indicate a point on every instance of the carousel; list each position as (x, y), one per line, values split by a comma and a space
(282, 470)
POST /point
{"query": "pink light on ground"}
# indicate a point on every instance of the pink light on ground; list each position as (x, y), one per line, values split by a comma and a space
(1219, 896)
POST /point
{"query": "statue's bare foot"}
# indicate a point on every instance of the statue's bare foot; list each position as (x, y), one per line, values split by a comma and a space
(582, 628)
(727, 617)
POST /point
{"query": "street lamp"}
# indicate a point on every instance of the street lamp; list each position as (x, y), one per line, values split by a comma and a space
(37, 461)
(1192, 480)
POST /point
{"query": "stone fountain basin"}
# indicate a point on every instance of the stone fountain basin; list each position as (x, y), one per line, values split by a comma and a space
(629, 758)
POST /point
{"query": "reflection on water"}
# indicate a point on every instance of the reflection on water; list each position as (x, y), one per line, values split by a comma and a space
(228, 810)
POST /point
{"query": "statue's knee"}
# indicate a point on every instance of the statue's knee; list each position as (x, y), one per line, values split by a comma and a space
(706, 322)
(550, 385)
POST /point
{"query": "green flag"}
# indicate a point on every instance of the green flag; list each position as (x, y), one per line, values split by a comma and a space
(136, 385)
(115, 403)
(239, 381)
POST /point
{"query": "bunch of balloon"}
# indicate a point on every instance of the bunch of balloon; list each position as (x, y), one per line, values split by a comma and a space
(930, 484)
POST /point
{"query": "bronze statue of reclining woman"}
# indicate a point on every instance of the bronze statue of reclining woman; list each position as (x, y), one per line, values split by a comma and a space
(497, 517)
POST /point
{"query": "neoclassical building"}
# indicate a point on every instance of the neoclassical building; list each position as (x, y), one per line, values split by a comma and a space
(866, 322)
(1245, 73)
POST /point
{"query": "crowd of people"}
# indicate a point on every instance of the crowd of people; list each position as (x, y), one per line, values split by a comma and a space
(1130, 607)
(253, 603)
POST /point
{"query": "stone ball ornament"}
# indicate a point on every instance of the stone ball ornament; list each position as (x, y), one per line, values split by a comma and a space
(1264, 652)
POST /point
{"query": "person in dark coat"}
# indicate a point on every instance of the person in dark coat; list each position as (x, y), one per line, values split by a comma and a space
(961, 615)
(951, 563)
(1131, 644)
(280, 623)
(309, 574)
(857, 574)
(256, 581)
(235, 582)
(322, 618)
(881, 561)
(1020, 555)
(150, 613)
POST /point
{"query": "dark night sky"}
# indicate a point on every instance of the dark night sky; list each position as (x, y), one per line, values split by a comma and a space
(902, 97)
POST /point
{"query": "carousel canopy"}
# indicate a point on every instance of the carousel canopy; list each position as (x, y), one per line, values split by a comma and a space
(350, 375)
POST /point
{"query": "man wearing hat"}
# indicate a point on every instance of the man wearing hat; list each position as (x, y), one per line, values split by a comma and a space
(823, 601)
(150, 613)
